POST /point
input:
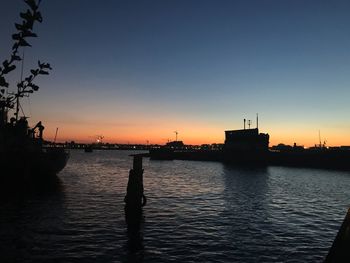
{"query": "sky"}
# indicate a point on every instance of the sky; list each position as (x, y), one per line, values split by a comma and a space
(137, 71)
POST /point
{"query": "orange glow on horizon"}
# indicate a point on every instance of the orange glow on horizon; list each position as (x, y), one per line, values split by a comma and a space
(195, 134)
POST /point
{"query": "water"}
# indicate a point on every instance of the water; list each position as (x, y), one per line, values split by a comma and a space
(196, 212)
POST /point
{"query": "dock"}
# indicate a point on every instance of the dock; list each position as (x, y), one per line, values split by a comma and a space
(340, 251)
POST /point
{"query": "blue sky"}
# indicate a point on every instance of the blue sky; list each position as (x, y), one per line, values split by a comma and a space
(200, 67)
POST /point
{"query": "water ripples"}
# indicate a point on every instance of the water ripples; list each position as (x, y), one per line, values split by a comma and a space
(196, 212)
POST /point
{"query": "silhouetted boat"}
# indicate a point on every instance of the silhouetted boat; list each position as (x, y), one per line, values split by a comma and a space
(22, 149)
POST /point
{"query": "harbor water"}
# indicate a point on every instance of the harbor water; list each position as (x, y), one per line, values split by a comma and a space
(196, 212)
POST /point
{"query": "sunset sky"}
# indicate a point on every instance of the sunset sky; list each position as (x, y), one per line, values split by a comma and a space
(136, 71)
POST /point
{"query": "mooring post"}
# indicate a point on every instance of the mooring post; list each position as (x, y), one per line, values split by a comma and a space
(135, 198)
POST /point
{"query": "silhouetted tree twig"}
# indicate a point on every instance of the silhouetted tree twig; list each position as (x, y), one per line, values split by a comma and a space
(24, 31)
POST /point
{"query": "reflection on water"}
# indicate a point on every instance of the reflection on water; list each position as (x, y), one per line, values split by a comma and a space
(26, 211)
(196, 212)
(134, 245)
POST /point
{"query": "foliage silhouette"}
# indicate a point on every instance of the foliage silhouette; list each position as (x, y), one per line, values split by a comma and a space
(20, 38)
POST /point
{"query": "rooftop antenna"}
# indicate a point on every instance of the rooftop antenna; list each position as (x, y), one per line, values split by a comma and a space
(257, 121)
(244, 123)
(176, 133)
(249, 122)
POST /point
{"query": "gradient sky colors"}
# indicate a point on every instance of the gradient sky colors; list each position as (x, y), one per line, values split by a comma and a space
(136, 71)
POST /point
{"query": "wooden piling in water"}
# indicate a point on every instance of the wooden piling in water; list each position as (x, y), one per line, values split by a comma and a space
(340, 250)
(135, 198)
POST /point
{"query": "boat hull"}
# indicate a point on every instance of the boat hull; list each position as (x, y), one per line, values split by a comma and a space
(27, 165)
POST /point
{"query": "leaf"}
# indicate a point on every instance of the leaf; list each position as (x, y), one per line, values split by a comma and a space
(5, 63)
(15, 57)
(28, 33)
(8, 69)
(16, 36)
(34, 72)
(3, 82)
(20, 27)
(23, 43)
(31, 4)
(38, 17)
(44, 65)
(43, 72)
(28, 25)
(15, 46)
(27, 16)
(47, 66)
(34, 87)
(29, 79)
